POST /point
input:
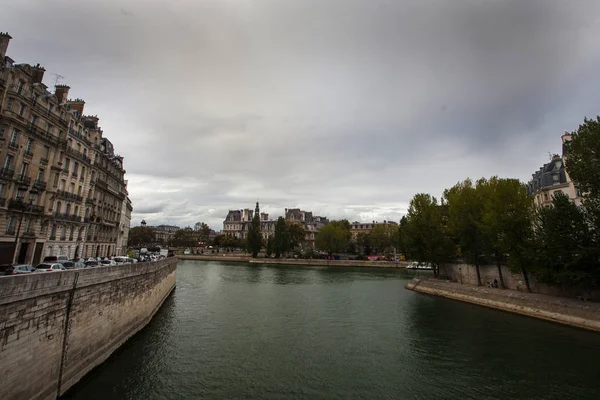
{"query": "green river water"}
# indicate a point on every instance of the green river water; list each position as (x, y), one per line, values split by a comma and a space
(235, 331)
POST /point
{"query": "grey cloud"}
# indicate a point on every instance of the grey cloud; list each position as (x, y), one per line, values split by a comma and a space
(344, 107)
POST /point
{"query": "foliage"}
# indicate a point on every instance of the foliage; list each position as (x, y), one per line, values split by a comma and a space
(254, 242)
(281, 241)
(583, 164)
(384, 238)
(203, 231)
(465, 215)
(565, 250)
(333, 237)
(139, 235)
(270, 246)
(184, 238)
(296, 234)
(426, 239)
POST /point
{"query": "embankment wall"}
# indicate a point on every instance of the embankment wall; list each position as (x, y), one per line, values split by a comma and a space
(298, 261)
(57, 326)
(581, 314)
(464, 273)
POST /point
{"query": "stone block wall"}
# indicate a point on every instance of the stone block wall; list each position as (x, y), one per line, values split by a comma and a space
(55, 327)
(464, 273)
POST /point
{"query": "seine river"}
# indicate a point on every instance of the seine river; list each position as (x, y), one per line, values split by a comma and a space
(233, 331)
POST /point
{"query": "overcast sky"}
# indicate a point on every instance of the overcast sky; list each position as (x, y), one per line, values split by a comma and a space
(343, 107)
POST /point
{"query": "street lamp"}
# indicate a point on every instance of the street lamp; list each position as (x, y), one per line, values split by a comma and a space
(33, 193)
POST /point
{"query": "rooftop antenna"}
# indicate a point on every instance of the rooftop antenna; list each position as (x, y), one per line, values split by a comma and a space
(57, 78)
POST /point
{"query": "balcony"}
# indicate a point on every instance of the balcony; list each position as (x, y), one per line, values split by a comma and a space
(29, 234)
(79, 136)
(101, 183)
(70, 196)
(23, 179)
(7, 173)
(74, 174)
(90, 201)
(43, 134)
(40, 184)
(13, 144)
(79, 155)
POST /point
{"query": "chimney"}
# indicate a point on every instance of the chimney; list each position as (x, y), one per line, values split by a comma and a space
(4, 41)
(37, 73)
(77, 105)
(62, 93)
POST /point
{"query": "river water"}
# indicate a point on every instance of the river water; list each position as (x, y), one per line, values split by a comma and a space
(233, 331)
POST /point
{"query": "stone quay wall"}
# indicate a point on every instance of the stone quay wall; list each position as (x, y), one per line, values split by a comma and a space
(297, 261)
(574, 312)
(466, 274)
(57, 326)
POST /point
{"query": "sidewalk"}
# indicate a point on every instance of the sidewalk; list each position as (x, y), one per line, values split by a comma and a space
(574, 312)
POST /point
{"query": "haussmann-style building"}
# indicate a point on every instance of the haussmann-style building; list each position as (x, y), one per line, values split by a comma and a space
(62, 186)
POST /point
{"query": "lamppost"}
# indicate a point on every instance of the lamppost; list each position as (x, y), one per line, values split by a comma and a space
(33, 193)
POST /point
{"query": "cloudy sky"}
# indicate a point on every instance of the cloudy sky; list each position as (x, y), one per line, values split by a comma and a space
(343, 107)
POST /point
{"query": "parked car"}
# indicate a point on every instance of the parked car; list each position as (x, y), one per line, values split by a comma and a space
(73, 265)
(92, 263)
(55, 259)
(108, 262)
(121, 260)
(47, 267)
(9, 269)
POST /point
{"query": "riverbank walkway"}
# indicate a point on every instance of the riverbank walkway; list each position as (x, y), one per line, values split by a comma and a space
(574, 312)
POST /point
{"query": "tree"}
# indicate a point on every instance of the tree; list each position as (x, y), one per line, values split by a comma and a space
(184, 238)
(281, 242)
(296, 234)
(383, 237)
(270, 246)
(333, 237)
(507, 210)
(139, 235)
(254, 241)
(583, 163)
(426, 239)
(465, 221)
(564, 249)
(363, 242)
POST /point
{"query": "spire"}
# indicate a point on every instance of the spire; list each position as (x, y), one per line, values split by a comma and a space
(257, 209)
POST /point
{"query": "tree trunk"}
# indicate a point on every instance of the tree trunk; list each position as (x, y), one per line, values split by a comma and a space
(500, 275)
(478, 274)
(526, 279)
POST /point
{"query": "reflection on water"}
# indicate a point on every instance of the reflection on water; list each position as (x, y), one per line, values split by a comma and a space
(280, 332)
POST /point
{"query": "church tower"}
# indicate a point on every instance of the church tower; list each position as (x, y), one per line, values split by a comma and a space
(257, 210)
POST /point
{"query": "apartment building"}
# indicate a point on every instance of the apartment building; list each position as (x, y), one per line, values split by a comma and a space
(62, 187)
(356, 228)
(552, 178)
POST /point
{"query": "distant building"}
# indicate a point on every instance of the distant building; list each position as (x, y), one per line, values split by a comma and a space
(356, 228)
(123, 236)
(552, 178)
(164, 233)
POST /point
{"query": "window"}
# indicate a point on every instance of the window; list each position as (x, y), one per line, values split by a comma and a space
(22, 109)
(9, 161)
(68, 210)
(72, 188)
(33, 119)
(2, 130)
(40, 174)
(2, 186)
(24, 169)
(9, 103)
(46, 152)
(79, 147)
(67, 165)
(555, 178)
(58, 207)
(62, 185)
(55, 180)
(28, 225)
(14, 138)
(75, 169)
(82, 172)
(20, 85)
(76, 212)
(29, 147)
(79, 190)
(10, 226)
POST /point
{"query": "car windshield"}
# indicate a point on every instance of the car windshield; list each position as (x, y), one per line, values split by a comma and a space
(44, 266)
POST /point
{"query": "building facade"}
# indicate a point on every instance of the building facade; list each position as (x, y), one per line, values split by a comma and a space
(123, 238)
(356, 228)
(163, 234)
(552, 178)
(62, 186)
